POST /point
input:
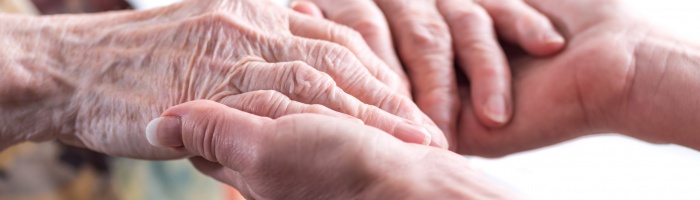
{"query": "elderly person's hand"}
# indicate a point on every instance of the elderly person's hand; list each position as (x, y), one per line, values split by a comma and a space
(618, 74)
(311, 156)
(96, 80)
(430, 33)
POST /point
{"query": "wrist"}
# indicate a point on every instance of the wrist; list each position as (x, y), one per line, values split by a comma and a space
(662, 105)
(439, 174)
(34, 94)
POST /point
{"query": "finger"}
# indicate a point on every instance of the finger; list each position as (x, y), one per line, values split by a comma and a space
(314, 28)
(305, 84)
(307, 8)
(525, 132)
(272, 104)
(570, 18)
(354, 79)
(519, 23)
(481, 57)
(366, 18)
(425, 47)
(285, 155)
(204, 128)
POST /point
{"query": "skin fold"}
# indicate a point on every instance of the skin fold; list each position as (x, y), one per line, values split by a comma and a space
(300, 110)
(591, 86)
(617, 73)
(311, 156)
(96, 80)
(432, 36)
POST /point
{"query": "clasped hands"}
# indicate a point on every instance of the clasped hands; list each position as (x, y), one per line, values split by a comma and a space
(282, 104)
(537, 92)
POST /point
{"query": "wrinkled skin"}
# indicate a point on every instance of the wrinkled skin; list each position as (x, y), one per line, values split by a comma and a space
(430, 35)
(310, 156)
(592, 86)
(106, 75)
(615, 75)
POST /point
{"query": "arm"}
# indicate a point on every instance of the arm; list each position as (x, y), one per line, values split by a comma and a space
(618, 73)
(432, 36)
(35, 95)
(664, 100)
(96, 80)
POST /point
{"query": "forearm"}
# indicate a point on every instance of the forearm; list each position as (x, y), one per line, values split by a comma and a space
(664, 100)
(438, 175)
(34, 95)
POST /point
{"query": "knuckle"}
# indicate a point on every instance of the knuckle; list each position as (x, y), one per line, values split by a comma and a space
(335, 55)
(471, 47)
(369, 28)
(488, 72)
(469, 16)
(203, 129)
(430, 34)
(428, 38)
(306, 80)
(349, 33)
(345, 35)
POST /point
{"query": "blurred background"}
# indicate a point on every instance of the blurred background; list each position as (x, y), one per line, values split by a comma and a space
(598, 167)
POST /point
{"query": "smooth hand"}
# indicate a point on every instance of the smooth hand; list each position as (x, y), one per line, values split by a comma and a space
(311, 156)
(586, 89)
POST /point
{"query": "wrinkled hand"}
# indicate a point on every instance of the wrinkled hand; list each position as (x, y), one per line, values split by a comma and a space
(127, 67)
(577, 92)
(310, 156)
(429, 33)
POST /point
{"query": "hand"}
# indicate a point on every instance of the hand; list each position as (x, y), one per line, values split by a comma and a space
(429, 32)
(310, 156)
(583, 90)
(123, 68)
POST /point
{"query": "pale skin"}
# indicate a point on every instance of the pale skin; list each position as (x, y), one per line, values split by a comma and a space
(96, 80)
(112, 71)
(432, 36)
(617, 74)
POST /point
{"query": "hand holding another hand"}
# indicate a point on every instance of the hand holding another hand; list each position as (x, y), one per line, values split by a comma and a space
(588, 88)
(311, 156)
(431, 34)
(118, 70)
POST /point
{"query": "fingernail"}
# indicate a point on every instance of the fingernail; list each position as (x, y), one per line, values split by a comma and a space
(413, 134)
(164, 132)
(551, 37)
(495, 108)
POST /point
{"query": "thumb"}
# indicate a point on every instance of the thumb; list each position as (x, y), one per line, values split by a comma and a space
(307, 8)
(205, 128)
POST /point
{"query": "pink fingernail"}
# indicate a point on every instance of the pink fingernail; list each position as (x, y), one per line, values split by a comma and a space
(412, 134)
(550, 37)
(164, 132)
(495, 109)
